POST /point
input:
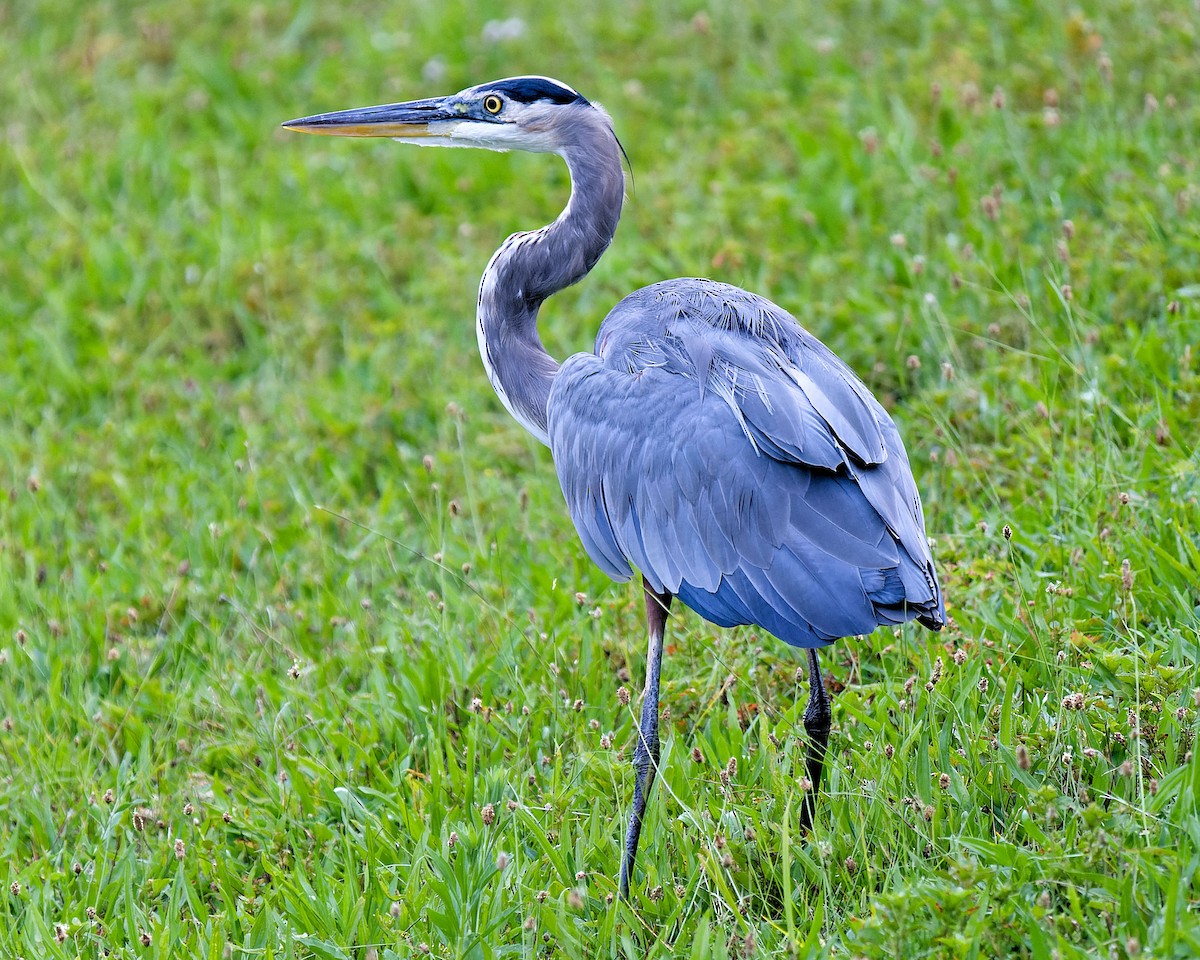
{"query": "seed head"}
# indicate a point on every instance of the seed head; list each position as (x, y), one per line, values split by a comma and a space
(1008, 532)
(698, 757)
(575, 900)
(15, 888)
(927, 813)
(889, 751)
(180, 849)
(1023, 757)
(1125, 769)
(1126, 576)
(109, 797)
(983, 684)
(488, 814)
(541, 896)
(944, 781)
(530, 923)
(623, 695)
(805, 784)
(145, 938)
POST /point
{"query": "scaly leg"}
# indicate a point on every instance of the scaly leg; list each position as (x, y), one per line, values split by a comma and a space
(645, 757)
(817, 719)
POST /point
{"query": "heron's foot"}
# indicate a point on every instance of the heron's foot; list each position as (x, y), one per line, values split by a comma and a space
(645, 765)
(645, 755)
(818, 744)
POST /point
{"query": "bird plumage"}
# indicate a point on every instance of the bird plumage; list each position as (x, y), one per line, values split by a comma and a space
(716, 446)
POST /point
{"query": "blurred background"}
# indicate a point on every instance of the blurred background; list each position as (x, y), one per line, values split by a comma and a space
(273, 553)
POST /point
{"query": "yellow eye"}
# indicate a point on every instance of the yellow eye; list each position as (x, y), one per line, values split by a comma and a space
(492, 103)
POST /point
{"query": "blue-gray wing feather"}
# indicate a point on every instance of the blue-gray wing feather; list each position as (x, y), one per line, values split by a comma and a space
(717, 447)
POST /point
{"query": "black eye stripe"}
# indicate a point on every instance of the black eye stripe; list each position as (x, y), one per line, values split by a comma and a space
(533, 89)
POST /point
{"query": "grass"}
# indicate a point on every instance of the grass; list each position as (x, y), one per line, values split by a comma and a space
(301, 656)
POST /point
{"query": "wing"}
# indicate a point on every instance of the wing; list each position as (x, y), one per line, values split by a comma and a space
(723, 451)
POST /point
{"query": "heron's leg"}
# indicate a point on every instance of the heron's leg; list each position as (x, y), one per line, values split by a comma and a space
(817, 719)
(645, 756)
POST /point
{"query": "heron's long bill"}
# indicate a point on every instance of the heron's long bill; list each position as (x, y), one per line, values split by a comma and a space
(415, 119)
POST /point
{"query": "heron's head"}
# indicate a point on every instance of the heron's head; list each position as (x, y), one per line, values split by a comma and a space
(536, 114)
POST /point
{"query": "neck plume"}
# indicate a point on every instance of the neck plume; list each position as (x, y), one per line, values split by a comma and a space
(530, 267)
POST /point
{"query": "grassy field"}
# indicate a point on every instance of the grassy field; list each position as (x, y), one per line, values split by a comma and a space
(300, 655)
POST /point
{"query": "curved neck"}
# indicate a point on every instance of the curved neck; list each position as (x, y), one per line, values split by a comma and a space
(530, 267)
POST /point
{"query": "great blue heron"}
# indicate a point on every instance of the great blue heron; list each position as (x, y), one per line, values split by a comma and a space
(710, 442)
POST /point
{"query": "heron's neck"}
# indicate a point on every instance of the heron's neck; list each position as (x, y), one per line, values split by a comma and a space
(530, 267)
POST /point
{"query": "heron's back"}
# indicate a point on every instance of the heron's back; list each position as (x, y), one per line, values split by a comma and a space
(722, 450)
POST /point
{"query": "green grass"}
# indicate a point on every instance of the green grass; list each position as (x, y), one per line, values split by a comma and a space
(287, 599)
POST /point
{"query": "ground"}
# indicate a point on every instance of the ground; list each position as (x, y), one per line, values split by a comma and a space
(300, 654)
